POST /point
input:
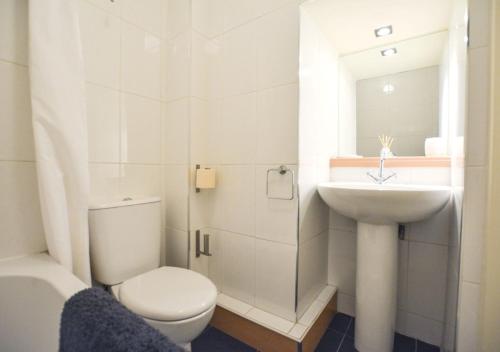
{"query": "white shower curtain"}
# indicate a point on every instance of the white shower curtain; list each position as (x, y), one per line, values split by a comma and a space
(60, 130)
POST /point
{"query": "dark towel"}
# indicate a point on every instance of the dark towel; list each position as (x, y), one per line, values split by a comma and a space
(93, 320)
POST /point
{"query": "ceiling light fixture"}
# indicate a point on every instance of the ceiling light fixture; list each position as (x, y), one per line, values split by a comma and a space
(383, 31)
(388, 52)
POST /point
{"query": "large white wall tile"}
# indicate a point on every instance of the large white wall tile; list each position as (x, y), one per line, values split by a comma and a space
(146, 14)
(113, 7)
(104, 182)
(202, 52)
(100, 33)
(478, 121)
(16, 133)
(140, 129)
(239, 63)
(314, 214)
(474, 218)
(266, 6)
(427, 268)
(312, 271)
(103, 123)
(239, 267)
(21, 229)
(480, 15)
(179, 17)
(342, 261)
(14, 31)
(141, 65)
(175, 183)
(341, 222)
(403, 261)
(436, 229)
(176, 248)
(216, 261)
(140, 180)
(175, 128)
(278, 47)
(235, 199)
(237, 129)
(238, 12)
(204, 131)
(276, 219)
(178, 54)
(277, 125)
(468, 317)
(275, 278)
(346, 304)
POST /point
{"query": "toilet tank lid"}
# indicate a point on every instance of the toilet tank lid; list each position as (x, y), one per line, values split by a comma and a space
(102, 204)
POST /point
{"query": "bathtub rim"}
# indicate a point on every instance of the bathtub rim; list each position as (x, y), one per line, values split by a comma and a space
(43, 267)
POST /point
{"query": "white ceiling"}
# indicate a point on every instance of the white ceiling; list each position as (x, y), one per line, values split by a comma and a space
(350, 23)
(412, 54)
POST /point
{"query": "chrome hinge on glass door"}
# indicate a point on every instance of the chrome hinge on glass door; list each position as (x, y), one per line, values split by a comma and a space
(206, 244)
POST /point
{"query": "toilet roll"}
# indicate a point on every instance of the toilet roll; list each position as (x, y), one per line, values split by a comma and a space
(205, 178)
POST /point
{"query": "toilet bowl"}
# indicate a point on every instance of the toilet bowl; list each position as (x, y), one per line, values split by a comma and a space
(177, 302)
(125, 241)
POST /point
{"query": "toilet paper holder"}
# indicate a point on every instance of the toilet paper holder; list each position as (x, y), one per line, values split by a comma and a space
(282, 170)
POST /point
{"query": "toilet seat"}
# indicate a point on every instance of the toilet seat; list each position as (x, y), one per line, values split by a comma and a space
(168, 294)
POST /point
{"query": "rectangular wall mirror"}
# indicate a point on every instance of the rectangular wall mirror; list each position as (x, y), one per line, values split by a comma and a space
(393, 74)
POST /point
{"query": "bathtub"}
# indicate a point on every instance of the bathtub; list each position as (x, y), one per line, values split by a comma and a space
(33, 290)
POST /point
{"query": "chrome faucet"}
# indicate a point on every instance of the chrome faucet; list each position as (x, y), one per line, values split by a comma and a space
(380, 178)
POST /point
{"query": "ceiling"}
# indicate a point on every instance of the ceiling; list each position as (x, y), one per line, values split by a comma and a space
(350, 23)
(424, 51)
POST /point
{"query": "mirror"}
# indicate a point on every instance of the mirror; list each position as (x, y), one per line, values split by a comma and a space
(392, 73)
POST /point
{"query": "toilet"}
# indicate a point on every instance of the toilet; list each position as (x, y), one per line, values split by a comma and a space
(125, 240)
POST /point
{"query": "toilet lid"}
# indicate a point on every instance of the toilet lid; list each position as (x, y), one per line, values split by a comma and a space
(168, 294)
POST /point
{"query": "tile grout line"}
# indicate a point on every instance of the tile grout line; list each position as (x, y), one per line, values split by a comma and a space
(345, 334)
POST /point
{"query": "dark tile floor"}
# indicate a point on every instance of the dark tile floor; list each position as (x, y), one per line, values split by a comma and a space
(338, 338)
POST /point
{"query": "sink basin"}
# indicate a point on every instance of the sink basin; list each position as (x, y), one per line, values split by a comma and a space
(379, 209)
(384, 204)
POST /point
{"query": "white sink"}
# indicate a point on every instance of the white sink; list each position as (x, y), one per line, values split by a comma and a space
(379, 209)
(384, 204)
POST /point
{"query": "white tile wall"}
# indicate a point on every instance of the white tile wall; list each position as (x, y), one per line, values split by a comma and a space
(476, 171)
(278, 47)
(274, 280)
(277, 124)
(175, 128)
(239, 266)
(101, 34)
(242, 125)
(316, 144)
(427, 269)
(140, 129)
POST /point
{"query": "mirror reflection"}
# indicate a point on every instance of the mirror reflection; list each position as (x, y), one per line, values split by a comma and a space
(393, 74)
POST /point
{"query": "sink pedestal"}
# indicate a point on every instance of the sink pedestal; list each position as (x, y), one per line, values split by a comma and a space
(376, 287)
(378, 209)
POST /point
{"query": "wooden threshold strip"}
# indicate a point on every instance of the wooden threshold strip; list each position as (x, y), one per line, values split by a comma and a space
(267, 340)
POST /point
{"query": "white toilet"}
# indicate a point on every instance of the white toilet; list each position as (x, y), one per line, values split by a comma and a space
(125, 254)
